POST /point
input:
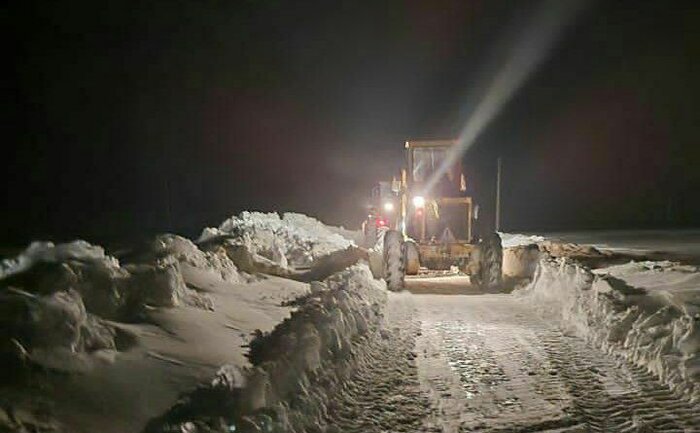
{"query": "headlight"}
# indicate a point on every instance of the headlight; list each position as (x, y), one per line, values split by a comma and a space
(418, 201)
(389, 206)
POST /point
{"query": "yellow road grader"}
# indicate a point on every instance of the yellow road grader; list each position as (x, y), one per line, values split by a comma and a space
(433, 229)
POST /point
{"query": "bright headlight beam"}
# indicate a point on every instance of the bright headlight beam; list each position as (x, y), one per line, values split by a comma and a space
(526, 53)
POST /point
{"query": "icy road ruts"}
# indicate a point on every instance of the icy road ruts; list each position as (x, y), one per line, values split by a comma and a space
(488, 363)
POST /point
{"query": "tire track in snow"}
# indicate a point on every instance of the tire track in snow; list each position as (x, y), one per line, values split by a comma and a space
(648, 406)
(490, 364)
(383, 394)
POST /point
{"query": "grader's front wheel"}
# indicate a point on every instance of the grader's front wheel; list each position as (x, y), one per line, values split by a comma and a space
(394, 265)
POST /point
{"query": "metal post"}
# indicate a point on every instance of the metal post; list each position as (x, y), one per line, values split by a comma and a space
(498, 194)
(403, 225)
(470, 215)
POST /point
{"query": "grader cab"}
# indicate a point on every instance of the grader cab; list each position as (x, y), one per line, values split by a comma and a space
(434, 228)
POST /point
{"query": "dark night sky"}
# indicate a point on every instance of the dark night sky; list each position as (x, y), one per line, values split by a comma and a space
(272, 105)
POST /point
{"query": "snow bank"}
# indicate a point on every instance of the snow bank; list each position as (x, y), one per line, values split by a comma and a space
(670, 282)
(47, 252)
(151, 274)
(108, 288)
(296, 367)
(291, 240)
(73, 308)
(520, 261)
(509, 240)
(55, 298)
(47, 329)
(44, 269)
(186, 252)
(646, 312)
(521, 253)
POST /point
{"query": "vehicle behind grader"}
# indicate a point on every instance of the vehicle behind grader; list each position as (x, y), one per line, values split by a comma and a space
(433, 230)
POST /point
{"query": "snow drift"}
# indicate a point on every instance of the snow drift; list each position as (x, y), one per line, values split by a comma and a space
(56, 299)
(646, 312)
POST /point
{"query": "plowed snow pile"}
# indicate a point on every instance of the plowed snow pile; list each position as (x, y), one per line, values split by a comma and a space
(296, 368)
(47, 252)
(89, 342)
(515, 239)
(646, 312)
(291, 240)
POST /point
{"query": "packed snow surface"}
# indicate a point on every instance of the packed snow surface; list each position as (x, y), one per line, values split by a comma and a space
(490, 363)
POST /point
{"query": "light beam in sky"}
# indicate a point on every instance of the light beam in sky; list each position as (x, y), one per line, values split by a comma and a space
(527, 49)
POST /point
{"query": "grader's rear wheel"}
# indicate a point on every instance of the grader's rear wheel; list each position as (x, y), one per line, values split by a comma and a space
(394, 266)
(490, 261)
(411, 257)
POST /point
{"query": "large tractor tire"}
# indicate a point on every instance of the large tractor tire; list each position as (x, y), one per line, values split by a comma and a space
(412, 258)
(376, 263)
(394, 267)
(371, 234)
(490, 261)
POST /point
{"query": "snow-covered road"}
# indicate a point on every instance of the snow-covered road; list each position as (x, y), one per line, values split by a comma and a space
(490, 363)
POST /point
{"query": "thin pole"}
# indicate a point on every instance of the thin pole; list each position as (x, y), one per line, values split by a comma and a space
(498, 194)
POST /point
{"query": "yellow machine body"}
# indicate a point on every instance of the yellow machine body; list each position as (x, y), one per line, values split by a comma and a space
(442, 227)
